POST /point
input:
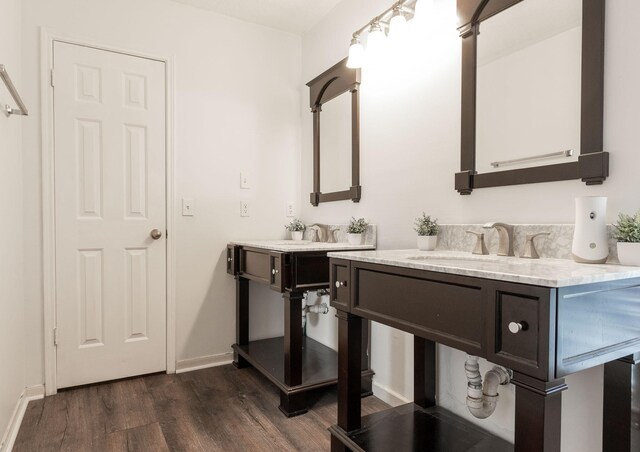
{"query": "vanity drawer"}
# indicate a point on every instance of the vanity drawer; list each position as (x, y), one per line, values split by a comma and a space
(277, 271)
(521, 338)
(447, 309)
(232, 259)
(339, 286)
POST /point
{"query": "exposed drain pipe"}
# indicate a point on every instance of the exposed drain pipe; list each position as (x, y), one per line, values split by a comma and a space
(312, 308)
(482, 399)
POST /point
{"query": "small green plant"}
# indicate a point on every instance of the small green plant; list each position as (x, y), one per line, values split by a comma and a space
(627, 229)
(357, 226)
(424, 225)
(295, 225)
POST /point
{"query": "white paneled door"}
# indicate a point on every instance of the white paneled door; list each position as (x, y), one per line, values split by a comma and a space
(110, 207)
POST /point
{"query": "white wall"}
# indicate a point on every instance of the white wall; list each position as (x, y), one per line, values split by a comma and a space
(410, 123)
(12, 378)
(237, 97)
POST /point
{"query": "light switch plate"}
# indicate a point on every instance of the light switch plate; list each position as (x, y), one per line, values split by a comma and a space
(187, 207)
(290, 209)
(244, 180)
(244, 208)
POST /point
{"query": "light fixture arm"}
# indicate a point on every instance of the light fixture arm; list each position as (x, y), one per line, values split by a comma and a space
(408, 6)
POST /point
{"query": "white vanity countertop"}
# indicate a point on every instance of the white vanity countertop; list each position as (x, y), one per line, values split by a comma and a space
(540, 272)
(301, 245)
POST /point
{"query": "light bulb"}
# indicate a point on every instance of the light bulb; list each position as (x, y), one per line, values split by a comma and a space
(376, 42)
(398, 27)
(356, 54)
(423, 9)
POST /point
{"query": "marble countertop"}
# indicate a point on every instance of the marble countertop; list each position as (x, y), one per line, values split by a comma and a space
(540, 272)
(301, 245)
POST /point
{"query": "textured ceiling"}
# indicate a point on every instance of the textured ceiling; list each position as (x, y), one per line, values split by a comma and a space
(296, 16)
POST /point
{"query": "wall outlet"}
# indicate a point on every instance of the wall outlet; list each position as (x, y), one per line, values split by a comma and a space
(188, 207)
(244, 180)
(244, 209)
(290, 209)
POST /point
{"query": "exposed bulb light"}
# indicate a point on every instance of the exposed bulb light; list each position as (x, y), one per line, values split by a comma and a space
(356, 53)
(398, 27)
(424, 9)
(375, 41)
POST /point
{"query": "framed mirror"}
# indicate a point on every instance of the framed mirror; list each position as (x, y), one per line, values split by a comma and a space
(532, 92)
(335, 104)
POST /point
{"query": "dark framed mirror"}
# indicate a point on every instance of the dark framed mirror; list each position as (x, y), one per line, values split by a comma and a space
(532, 92)
(335, 104)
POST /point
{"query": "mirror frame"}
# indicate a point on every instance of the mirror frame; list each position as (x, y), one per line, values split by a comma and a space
(592, 166)
(333, 82)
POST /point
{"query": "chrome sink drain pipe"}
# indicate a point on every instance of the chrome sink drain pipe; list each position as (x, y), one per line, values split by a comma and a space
(482, 398)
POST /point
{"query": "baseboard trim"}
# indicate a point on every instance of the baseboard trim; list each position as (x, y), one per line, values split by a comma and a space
(203, 362)
(388, 395)
(28, 394)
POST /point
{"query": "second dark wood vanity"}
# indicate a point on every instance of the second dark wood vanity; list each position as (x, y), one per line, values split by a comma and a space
(564, 329)
(293, 362)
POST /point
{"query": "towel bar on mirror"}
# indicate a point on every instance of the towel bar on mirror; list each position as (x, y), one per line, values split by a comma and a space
(22, 110)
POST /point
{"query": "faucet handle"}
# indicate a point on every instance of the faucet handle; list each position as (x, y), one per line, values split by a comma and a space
(480, 247)
(530, 251)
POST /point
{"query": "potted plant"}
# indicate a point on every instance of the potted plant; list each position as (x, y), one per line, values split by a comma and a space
(296, 227)
(355, 230)
(427, 230)
(627, 233)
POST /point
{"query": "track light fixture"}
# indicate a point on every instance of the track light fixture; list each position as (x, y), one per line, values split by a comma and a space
(394, 19)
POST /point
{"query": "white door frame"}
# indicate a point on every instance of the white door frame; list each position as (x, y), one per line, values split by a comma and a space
(47, 38)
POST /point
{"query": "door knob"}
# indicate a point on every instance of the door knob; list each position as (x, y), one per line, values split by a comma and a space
(156, 234)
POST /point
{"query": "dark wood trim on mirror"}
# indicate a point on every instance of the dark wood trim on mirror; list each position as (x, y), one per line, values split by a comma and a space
(333, 82)
(592, 166)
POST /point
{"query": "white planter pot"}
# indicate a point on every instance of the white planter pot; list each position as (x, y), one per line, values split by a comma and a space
(296, 235)
(427, 242)
(354, 239)
(629, 253)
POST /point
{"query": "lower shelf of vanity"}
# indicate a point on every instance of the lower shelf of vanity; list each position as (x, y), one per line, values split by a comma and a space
(319, 363)
(413, 428)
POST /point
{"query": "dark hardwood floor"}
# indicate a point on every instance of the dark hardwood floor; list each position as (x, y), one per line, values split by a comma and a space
(216, 409)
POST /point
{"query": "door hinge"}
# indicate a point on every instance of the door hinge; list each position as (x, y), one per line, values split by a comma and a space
(166, 233)
(52, 79)
(55, 337)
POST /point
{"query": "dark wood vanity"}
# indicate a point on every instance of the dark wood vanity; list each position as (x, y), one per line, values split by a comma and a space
(293, 362)
(564, 330)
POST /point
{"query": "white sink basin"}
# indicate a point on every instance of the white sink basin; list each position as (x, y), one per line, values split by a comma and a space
(293, 242)
(465, 258)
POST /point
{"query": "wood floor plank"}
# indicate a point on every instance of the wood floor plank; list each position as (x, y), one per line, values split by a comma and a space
(216, 409)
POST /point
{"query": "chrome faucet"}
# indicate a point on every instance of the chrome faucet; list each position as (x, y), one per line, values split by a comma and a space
(320, 232)
(505, 236)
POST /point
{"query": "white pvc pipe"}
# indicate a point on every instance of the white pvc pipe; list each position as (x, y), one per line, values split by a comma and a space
(482, 399)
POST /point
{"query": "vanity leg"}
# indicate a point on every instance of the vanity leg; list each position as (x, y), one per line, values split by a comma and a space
(337, 446)
(292, 404)
(242, 319)
(292, 338)
(424, 372)
(538, 411)
(366, 381)
(349, 371)
(620, 405)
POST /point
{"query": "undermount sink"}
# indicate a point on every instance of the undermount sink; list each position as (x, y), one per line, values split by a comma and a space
(463, 258)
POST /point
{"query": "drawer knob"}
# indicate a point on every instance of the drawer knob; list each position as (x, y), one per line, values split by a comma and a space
(229, 259)
(274, 271)
(341, 284)
(516, 327)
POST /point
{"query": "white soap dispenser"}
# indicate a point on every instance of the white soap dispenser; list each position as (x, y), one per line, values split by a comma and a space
(590, 243)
